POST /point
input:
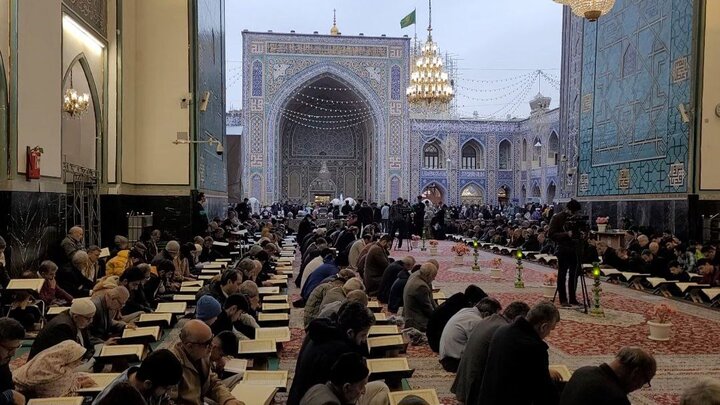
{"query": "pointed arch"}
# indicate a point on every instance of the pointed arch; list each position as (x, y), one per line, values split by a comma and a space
(550, 192)
(376, 173)
(536, 152)
(524, 152)
(505, 155)
(434, 191)
(472, 193)
(553, 149)
(81, 59)
(433, 154)
(472, 155)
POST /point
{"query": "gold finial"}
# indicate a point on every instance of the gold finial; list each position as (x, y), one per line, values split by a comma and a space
(334, 30)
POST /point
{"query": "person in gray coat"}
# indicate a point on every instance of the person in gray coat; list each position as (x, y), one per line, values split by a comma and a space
(418, 303)
(470, 372)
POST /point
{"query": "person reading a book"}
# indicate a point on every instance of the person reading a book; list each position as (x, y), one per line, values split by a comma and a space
(632, 369)
(52, 372)
(458, 330)
(229, 284)
(50, 292)
(418, 303)
(68, 325)
(11, 336)
(207, 310)
(152, 379)
(325, 342)
(23, 310)
(231, 318)
(198, 380)
(330, 311)
(224, 346)
(106, 323)
(348, 381)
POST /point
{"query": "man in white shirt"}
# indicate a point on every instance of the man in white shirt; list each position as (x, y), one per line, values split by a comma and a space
(458, 329)
(356, 248)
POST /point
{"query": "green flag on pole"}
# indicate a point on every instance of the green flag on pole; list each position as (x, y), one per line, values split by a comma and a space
(408, 20)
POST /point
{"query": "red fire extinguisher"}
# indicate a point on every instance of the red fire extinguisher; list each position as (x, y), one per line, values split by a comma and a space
(32, 169)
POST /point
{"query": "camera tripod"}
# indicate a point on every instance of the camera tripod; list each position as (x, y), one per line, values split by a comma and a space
(579, 273)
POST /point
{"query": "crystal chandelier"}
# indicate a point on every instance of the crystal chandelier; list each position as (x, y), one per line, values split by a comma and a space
(74, 103)
(590, 9)
(428, 80)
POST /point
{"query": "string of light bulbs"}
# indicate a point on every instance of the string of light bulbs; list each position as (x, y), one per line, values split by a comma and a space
(337, 121)
(326, 116)
(357, 109)
(323, 100)
(509, 86)
(324, 128)
(517, 88)
(515, 103)
(508, 79)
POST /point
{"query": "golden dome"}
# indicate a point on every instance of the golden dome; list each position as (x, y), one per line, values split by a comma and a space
(334, 30)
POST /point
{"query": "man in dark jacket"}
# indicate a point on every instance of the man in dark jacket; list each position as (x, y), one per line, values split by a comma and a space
(376, 261)
(68, 325)
(472, 364)
(609, 384)
(442, 314)
(229, 284)
(518, 359)
(11, 336)
(325, 342)
(390, 275)
(565, 249)
(348, 380)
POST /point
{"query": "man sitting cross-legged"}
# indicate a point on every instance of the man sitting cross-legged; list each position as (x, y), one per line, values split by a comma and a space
(459, 328)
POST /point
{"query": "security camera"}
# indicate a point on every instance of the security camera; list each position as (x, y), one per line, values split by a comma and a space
(186, 100)
(204, 101)
(563, 158)
(219, 149)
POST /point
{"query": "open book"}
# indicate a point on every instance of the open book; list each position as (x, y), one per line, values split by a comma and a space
(190, 289)
(268, 290)
(429, 395)
(396, 367)
(52, 311)
(275, 307)
(439, 295)
(374, 306)
(384, 343)
(710, 293)
(141, 335)
(257, 347)
(102, 380)
(171, 307)
(57, 401)
(224, 260)
(133, 352)
(104, 252)
(277, 379)
(379, 316)
(191, 284)
(279, 334)
(161, 319)
(28, 284)
(184, 297)
(250, 394)
(236, 366)
(221, 244)
(383, 330)
(275, 298)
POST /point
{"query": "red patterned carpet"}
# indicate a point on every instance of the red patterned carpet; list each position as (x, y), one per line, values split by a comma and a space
(579, 339)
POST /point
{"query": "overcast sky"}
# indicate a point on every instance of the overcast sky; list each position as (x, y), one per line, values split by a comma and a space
(491, 40)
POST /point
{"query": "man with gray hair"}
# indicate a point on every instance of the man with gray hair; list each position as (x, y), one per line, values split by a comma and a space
(517, 362)
(632, 369)
(703, 392)
(418, 303)
(73, 241)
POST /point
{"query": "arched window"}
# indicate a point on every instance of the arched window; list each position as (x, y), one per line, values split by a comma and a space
(536, 150)
(524, 150)
(431, 156)
(504, 155)
(473, 156)
(553, 148)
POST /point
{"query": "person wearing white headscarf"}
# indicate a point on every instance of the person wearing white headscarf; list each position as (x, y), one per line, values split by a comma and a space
(52, 372)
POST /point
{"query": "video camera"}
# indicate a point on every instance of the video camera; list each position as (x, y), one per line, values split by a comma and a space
(578, 225)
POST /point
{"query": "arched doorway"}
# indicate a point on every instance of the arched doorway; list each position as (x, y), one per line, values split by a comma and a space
(503, 195)
(523, 194)
(326, 125)
(472, 194)
(553, 148)
(434, 193)
(82, 135)
(550, 195)
(535, 193)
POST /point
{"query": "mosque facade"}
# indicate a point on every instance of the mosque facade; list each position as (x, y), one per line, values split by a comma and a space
(326, 116)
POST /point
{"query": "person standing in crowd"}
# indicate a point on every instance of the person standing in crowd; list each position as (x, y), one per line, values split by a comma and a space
(518, 359)
(566, 252)
(632, 369)
(419, 216)
(11, 336)
(72, 242)
(200, 220)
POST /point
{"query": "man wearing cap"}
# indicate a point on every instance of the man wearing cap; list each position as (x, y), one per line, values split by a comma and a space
(68, 325)
(104, 324)
(207, 309)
